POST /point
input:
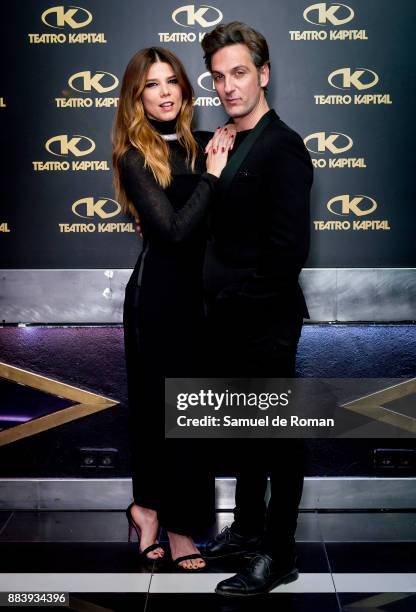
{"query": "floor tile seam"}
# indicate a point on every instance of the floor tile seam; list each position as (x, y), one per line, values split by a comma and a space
(318, 522)
(389, 573)
(225, 573)
(353, 585)
(168, 573)
(7, 521)
(355, 541)
(123, 541)
(303, 541)
(14, 541)
(340, 607)
(147, 600)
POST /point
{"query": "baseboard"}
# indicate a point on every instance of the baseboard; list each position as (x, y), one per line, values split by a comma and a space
(320, 493)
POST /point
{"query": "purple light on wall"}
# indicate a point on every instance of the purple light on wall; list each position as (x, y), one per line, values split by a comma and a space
(19, 419)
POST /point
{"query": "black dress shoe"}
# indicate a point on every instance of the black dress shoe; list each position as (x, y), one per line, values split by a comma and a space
(228, 543)
(261, 576)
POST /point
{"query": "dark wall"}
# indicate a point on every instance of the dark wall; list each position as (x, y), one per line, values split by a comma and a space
(93, 359)
(342, 76)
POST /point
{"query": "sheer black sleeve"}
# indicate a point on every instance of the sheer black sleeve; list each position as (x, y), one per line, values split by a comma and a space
(157, 215)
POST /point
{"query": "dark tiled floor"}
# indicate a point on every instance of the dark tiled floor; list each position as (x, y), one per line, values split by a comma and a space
(64, 526)
(347, 562)
(189, 602)
(77, 557)
(108, 602)
(293, 602)
(311, 558)
(372, 557)
(110, 526)
(367, 527)
(374, 602)
(114, 557)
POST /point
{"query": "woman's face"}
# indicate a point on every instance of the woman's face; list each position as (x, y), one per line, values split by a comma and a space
(162, 95)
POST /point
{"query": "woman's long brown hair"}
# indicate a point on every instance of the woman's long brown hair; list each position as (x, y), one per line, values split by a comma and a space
(132, 128)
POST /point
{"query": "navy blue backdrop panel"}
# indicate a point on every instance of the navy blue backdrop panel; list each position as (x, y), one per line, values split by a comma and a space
(342, 76)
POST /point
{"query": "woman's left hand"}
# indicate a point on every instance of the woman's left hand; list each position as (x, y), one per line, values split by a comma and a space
(138, 226)
(214, 142)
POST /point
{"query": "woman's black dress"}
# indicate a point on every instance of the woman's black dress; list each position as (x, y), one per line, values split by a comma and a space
(163, 331)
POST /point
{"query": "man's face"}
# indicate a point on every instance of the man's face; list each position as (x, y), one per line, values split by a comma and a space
(237, 80)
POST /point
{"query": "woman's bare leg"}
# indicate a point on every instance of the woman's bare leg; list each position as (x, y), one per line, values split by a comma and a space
(147, 520)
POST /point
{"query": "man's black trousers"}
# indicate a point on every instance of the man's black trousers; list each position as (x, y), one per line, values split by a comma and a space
(269, 355)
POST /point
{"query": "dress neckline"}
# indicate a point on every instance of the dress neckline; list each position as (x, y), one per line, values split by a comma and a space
(167, 129)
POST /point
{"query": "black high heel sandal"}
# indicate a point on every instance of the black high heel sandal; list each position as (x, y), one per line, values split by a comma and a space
(185, 558)
(135, 526)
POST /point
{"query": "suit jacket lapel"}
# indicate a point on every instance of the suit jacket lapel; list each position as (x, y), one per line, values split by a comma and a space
(243, 150)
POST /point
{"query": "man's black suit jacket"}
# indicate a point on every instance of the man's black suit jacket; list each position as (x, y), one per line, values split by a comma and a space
(260, 239)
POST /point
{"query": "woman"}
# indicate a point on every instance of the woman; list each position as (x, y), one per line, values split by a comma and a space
(161, 176)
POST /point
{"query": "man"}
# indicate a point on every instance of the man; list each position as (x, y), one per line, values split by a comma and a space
(260, 241)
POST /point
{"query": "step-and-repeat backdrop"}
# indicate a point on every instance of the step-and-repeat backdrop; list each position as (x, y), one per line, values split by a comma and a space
(342, 76)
